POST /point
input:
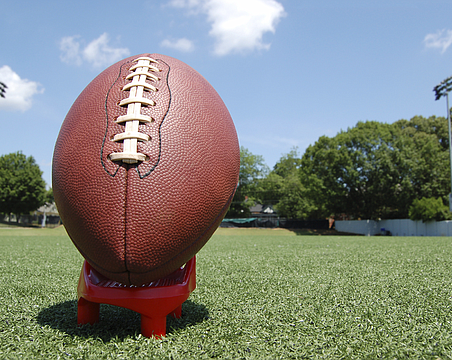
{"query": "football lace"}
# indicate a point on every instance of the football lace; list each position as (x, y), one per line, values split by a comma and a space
(140, 72)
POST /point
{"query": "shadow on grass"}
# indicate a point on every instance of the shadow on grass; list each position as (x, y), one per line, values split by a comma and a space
(115, 322)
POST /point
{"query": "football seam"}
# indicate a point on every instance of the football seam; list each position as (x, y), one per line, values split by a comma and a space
(198, 238)
(228, 203)
(126, 190)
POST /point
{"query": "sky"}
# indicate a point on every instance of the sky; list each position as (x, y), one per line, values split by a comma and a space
(289, 71)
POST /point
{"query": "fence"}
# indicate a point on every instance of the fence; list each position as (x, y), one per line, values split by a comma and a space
(28, 220)
(404, 227)
(274, 222)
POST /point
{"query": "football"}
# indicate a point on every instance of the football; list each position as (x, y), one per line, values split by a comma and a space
(144, 168)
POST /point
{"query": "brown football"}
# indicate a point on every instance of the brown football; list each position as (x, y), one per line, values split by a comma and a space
(145, 167)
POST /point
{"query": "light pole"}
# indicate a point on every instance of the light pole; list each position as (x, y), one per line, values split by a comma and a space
(442, 89)
(3, 88)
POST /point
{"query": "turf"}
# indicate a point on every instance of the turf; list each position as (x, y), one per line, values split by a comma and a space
(261, 294)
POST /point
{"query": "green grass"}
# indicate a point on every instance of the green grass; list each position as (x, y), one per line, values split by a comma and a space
(261, 294)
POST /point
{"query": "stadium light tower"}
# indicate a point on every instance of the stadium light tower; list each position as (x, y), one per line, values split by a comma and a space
(442, 89)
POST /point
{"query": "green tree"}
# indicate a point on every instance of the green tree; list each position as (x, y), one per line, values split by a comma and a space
(376, 170)
(49, 198)
(294, 201)
(319, 165)
(424, 147)
(433, 125)
(283, 188)
(22, 188)
(269, 188)
(288, 163)
(252, 170)
(429, 209)
(367, 171)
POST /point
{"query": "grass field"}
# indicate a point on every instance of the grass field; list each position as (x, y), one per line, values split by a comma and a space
(261, 294)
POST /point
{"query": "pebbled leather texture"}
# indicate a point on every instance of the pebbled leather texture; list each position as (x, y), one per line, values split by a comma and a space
(135, 223)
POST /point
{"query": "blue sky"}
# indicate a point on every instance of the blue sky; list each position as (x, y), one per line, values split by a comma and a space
(289, 71)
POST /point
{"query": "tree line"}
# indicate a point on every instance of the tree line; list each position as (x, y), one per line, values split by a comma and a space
(22, 188)
(370, 171)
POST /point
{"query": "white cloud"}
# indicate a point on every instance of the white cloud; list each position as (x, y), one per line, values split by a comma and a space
(442, 39)
(183, 44)
(70, 48)
(237, 25)
(185, 3)
(18, 95)
(98, 52)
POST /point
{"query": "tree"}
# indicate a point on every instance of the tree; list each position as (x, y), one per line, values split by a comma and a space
(433, 125)
(22, 188)
(49, 198)
(424, 146)
(367, 171)
(429, 209)
(320, 165)
(288, 163)
(376, 170)
(373, 170)
(269, 188)
(283, 188)
(294, 201)
(252, 169)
